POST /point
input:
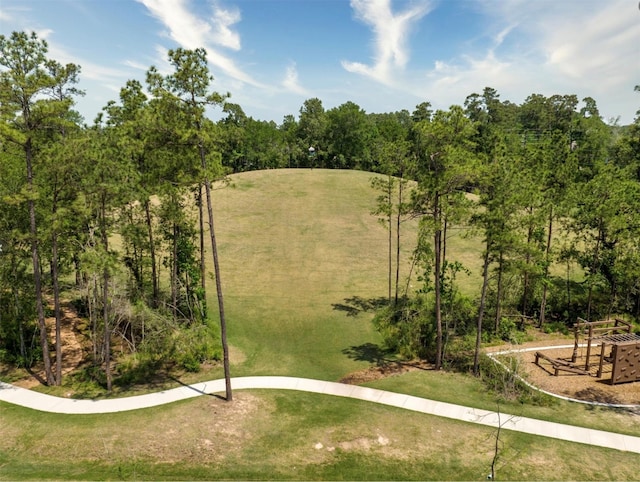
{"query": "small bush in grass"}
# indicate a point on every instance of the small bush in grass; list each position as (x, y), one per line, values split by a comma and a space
(504, 380)
(556, 327)
(508, 331)
(193, 346)
(87, 382)
(406, 328)
(459, 352)
(138, 368)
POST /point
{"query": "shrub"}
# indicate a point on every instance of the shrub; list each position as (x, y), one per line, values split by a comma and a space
(506, 382)
(407, 328)
(193, 346)
(508, 331)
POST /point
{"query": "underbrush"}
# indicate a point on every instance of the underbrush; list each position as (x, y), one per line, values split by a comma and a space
(504, 379)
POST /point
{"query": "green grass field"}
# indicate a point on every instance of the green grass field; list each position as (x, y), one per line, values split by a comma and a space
(299, 250)
(302, 263)
(301, 254)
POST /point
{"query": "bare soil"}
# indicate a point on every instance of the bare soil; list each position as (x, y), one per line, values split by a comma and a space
(587, 388)
(73, 350)
(385, 370)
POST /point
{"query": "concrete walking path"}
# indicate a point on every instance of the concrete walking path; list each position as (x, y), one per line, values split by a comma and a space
(48, 403)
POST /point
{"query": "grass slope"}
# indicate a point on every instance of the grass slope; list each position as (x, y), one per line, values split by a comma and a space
(302, 261)
(299, 251)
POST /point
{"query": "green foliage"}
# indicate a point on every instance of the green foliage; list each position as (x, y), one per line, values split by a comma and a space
(87, 382)
(505, 382)
(459, 352)
(509, 331)
(556, 327)
(193, 346)
(407, 327)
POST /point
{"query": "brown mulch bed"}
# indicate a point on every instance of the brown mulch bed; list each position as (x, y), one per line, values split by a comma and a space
(588, 388)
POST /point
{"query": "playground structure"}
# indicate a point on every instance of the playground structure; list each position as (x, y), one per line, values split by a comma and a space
(614, 334)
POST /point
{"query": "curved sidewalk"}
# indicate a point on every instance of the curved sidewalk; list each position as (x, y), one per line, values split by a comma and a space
(48, 403)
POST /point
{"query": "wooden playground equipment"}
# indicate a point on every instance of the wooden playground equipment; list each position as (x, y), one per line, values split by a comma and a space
(615, 335)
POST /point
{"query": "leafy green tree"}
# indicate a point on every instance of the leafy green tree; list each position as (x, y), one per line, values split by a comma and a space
(138, 139)
(17, 297)
(188, 86)
(607, 231)
(384, 208)
(422, 112)
(547, 128)
(60, 174)
(33, 100)
(233, 135)
(312, 130)
(349, 134)
(289, 129)
(497, 175)
(444, 167)
(107, 186)
(265, 147)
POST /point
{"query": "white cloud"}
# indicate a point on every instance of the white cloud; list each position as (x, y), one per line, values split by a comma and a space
(588, 48)
(600, 43)
(136, 65)
(191, 32)
(291, 83)
(222, 20)
(184, 27)
(89, 70)
(391, 32)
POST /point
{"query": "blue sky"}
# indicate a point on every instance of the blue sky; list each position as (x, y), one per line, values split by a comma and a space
(384, 55)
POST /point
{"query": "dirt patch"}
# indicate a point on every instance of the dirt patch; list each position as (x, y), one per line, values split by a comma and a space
(382, 371)
(73, 351)
(588, 388)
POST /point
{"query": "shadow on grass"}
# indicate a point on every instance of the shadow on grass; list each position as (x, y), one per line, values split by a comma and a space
(372, 353)
(356, 304)
(382, 357)
(201, 392)
(384, 363)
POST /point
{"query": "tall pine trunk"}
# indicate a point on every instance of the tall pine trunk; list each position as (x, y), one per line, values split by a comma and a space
(437, 245)
(526, 282)
(105, 296)
(174, 274)
(543, 302)
(499, 291)
(152, 252)
(398, 221)
(389, 197)
(56, 305)
(483, 298)
(203, 266)
(216, 269)
(37, 279)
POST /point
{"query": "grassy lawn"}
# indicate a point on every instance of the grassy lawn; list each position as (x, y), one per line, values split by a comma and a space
(301, 254)
(303, 264)
(285, 435)
(466, 390)
(299, 249)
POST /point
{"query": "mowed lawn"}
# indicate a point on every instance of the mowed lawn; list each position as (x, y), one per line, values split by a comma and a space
(300, 253)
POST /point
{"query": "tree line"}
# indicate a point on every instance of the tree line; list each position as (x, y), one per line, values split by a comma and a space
(102, 211)
(554, 193)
